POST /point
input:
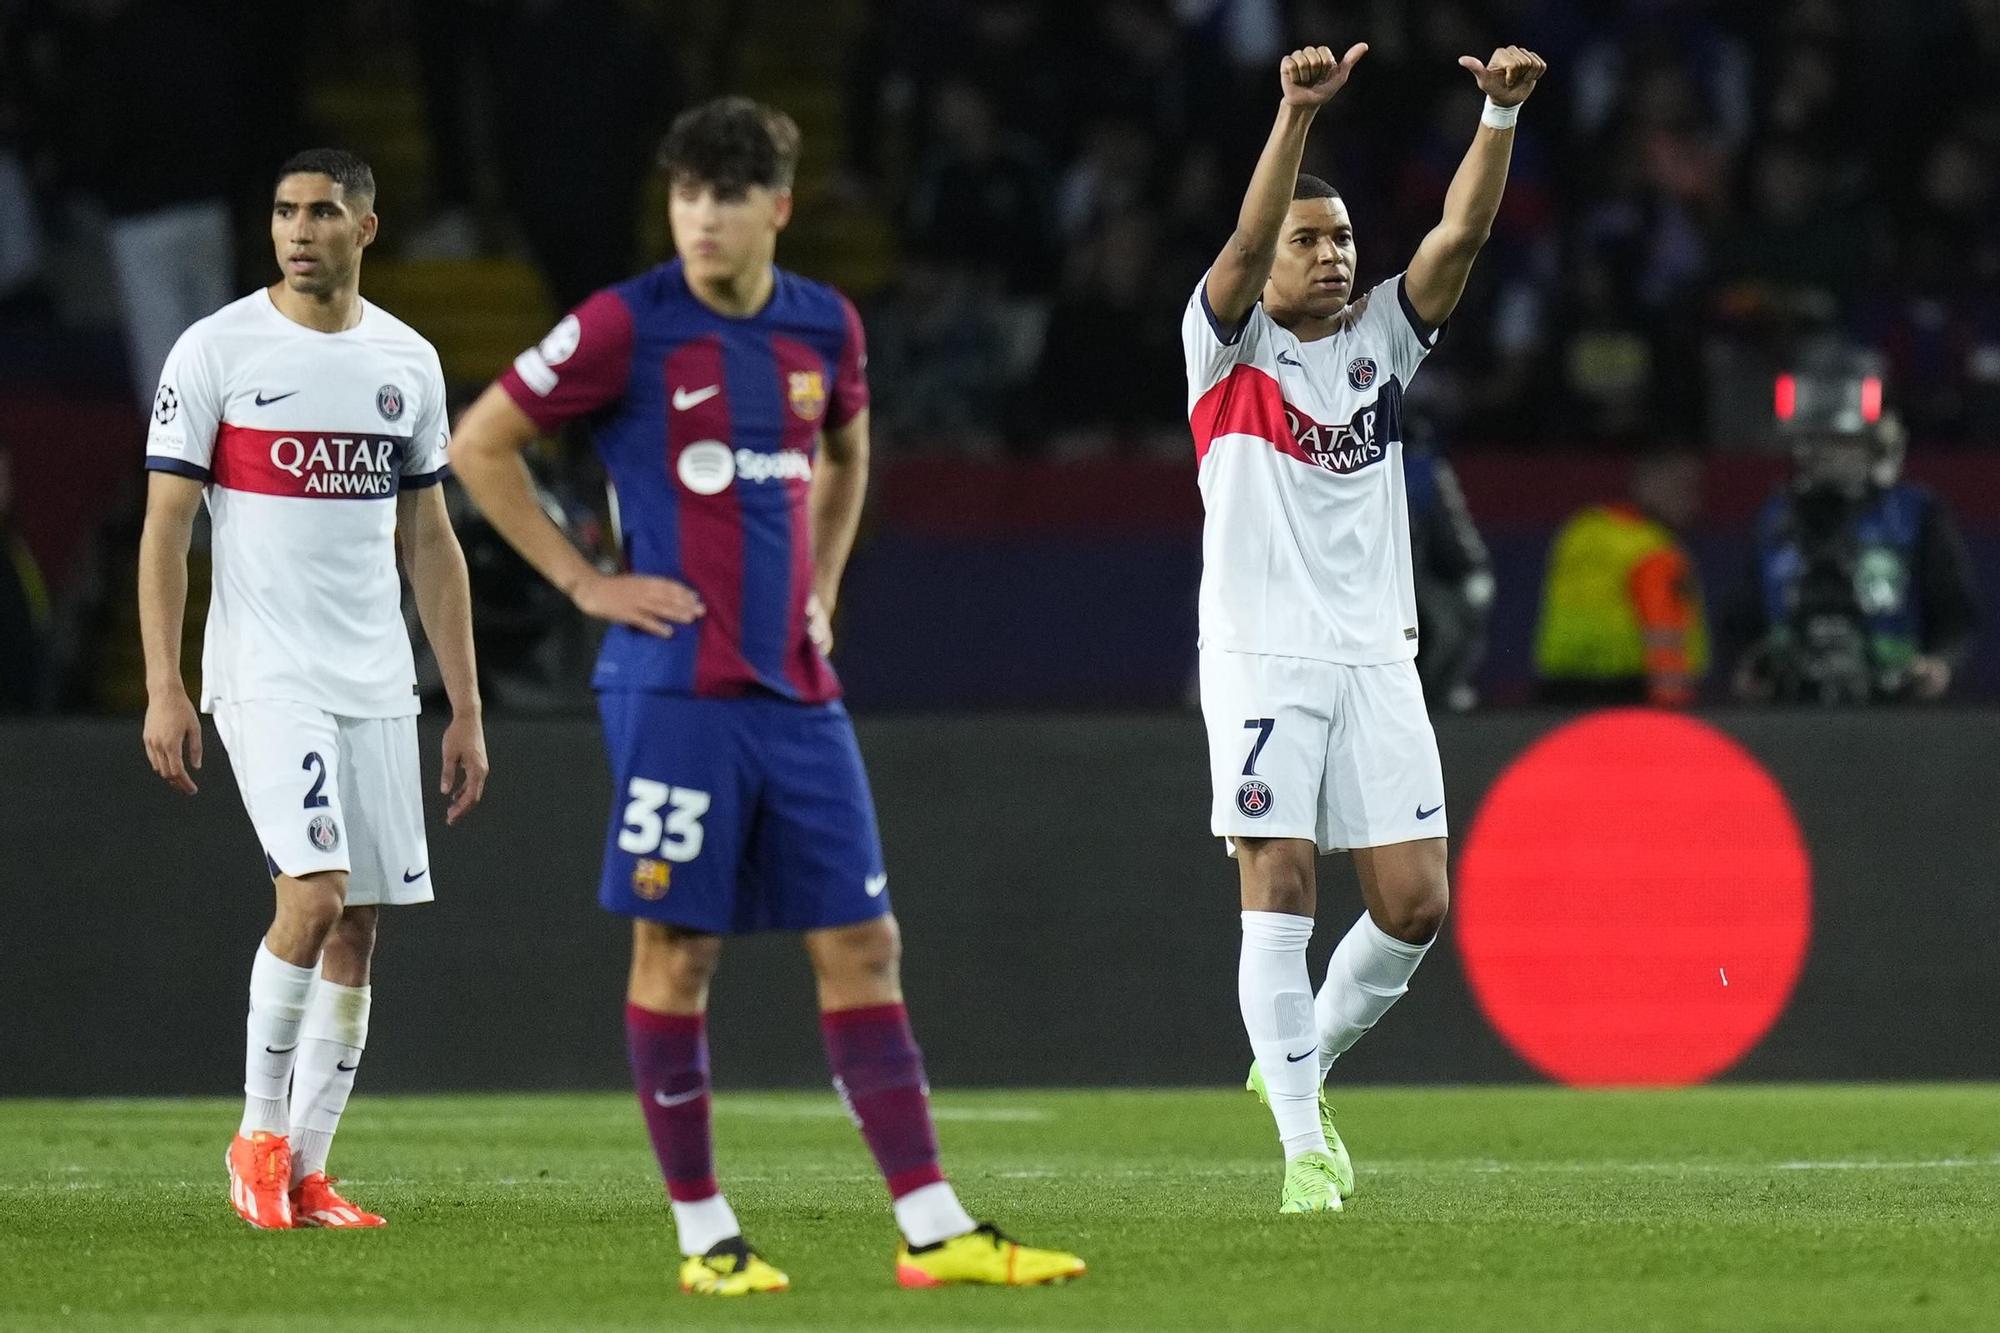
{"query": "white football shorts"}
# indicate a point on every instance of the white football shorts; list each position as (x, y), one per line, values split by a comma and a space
(1300, 748)
(332, 793)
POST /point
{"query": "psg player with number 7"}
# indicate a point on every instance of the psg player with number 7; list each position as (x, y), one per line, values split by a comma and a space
(728, 401)
(1317, 735)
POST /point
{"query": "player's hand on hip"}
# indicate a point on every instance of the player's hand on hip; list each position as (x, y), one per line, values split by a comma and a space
(819, 625)
(1310, 76)
(465, 764)
(643, 601)
(1509, 76)
(171, 724)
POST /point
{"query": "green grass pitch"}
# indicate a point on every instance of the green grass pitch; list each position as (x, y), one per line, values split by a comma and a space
(1533, 1209)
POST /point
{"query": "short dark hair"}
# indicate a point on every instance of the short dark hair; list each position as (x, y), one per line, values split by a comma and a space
(731, 143)
(347, 170)
(1312, 187)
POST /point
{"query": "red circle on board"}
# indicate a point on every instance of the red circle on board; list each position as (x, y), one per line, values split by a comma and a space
(1634, 901)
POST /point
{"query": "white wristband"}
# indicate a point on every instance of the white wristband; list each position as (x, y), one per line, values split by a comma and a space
(1500, 117)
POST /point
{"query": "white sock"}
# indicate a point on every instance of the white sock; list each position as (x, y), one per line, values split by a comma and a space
(1369, 971)
(331, 1040)
(704, 1222)
(1276, 997)
(931, 1213)
(278, 994)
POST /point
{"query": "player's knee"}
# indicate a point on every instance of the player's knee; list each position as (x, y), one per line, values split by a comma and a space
(1276, 878)
(1417, 916)
(311, 906)
(354, 932)
(682, 962)
(870, 951)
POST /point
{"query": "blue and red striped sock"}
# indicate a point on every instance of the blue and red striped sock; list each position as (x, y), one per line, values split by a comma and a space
(670, 1071)
(879, 1073)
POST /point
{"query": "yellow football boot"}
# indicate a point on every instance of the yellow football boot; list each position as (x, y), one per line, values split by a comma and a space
(730, 1268)
(986, 1257)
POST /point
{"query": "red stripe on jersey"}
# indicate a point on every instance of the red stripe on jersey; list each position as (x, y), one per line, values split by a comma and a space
(308, 464)
(850, 379)
(1246, 401)
(804, 393)
(710, 526)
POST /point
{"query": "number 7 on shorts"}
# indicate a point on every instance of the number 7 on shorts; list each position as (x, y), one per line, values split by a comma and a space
(1263, 727)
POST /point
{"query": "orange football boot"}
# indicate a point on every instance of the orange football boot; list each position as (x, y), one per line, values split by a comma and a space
(260, 1167)
(315, 1203)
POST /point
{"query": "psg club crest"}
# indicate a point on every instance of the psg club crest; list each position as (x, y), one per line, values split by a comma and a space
(1253, 798)
(808, 393)
(166, 404)
(1361, 372)
(323, 833)
(389, 402)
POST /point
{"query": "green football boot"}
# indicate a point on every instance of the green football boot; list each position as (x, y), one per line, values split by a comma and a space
(1343, 1168)
(1310, 1185)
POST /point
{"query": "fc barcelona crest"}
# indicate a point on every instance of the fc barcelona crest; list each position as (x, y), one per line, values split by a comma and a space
(389, 402)
(650, 878)
(808, 393)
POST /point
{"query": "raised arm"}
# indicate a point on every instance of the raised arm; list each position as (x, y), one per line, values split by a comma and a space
(1309, 77)
(436, 566)
(1436, 276)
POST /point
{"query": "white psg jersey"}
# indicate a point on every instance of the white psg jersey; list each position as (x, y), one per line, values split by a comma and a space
(1306, 544)
(303, 440)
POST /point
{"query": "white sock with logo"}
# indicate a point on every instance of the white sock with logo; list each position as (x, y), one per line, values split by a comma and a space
(278, 993)
(1369, 971)
(1275, 994)
(331, 1040)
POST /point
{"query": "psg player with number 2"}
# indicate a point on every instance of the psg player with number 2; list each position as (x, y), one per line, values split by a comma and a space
(1317, 734)
(313, 423)
(728, 401)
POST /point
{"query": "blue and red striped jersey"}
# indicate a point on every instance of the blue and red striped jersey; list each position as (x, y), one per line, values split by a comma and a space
(708, 426)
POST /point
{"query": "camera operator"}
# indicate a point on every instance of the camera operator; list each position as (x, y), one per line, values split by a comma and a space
(1862, 587)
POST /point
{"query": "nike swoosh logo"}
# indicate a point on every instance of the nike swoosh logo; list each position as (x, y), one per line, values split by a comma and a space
(346, 1069)
(1426, 814)
(408, 878)
(286, 1051)
(1284, 360)
(875, 884)
(262, 401)
(679, 1098)
(686, 398)
(1294, 1059)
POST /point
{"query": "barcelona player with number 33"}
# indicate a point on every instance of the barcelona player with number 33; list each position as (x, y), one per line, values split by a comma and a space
(728, 401)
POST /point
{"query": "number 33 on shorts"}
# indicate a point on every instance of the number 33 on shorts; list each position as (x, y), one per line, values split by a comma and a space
(676, 836)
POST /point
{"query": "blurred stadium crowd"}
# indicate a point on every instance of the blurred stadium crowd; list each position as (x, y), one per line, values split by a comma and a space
(1696, 180)
(1021, 194)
